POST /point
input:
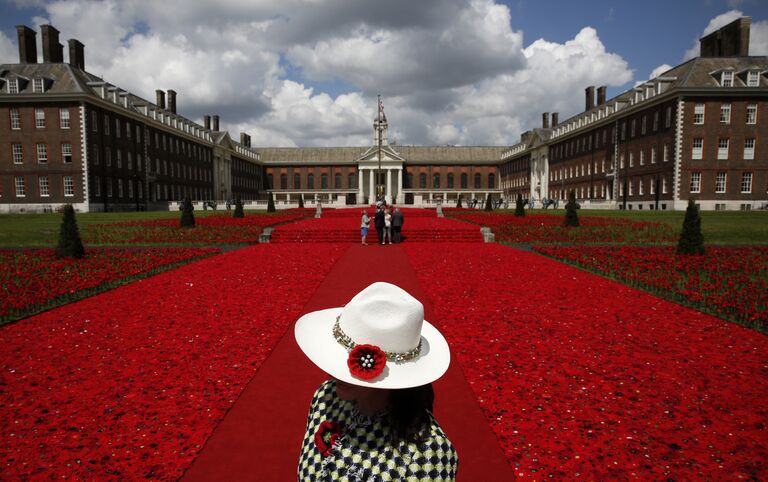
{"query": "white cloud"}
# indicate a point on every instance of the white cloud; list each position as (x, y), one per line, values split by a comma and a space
(655, 73)
(758, 38)
(9, 51)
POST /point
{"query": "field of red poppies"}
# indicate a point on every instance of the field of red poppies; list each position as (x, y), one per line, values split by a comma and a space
(731, 283)
(34, 279)
(549, 229)
(581, 377)
(129, 384)
(208, 230)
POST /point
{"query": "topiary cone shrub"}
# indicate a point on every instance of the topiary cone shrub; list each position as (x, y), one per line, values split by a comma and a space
(488, 203)
(691, 240)
(571, 216)
(238, 209)
(70, 245)
(519, 209)
(458, 202)
(271, 204)
(187, 216)
(301, 201)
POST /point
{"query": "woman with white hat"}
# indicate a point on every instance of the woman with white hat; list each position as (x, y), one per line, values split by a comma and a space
(372, 420)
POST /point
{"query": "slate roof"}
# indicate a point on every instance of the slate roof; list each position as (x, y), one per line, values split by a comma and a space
(411, 154)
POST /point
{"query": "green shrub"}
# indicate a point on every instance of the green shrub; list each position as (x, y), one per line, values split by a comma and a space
(70, 245)
(571, 216)
(691, 240)
(187, 216)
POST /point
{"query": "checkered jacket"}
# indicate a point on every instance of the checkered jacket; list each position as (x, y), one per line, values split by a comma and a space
(365, 453)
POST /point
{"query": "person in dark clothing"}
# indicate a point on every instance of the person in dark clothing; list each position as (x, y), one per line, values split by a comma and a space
(397, 225)
(378, 222)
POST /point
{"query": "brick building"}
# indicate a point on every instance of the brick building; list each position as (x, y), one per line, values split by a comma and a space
(696, 131)
(71, 137)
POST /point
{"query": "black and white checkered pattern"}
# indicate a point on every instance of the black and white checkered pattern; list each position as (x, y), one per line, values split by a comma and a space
(365, 452)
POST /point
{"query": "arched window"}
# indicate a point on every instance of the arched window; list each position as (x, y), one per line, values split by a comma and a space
(423, 180)
(450, 180)
(477, 180)
(337, 181)
(436, 181)
(310, 181)
(270, 181)
(464, 180)
(491, 181)
(323, 181)
(351, 180)
(283, 181)
(408, 180)
(297, 181)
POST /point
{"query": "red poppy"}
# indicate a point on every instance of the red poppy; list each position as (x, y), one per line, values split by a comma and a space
(366, 361)
(326, 436)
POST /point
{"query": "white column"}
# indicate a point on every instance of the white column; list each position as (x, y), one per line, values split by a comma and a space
(400, 198)
(359, 185)
(371, 189)
(389, 185)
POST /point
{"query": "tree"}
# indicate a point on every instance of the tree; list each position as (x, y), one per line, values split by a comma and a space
(488, 203)
(70, 245)
(271, 204)
(691, 240)
(458, 203)
(301, 201)
(187, 216)
(238, 208)
(571, 216)
(519, 209)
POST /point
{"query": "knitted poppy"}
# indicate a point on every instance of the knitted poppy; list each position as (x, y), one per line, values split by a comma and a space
(366, 361)
(327, 435)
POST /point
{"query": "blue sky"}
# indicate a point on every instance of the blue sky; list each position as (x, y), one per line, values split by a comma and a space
(451, 71)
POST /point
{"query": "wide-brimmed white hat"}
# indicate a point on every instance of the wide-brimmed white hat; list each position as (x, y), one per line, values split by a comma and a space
(379, 339)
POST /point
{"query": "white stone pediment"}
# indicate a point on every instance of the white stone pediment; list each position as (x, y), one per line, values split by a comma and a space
(389, 156)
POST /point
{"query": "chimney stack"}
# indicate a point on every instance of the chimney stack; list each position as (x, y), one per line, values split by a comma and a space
(160, 98)
(244, 139)
(207, 122)
(555, 119)
(732, 40)
(590, 98)
(601, 95)
(545, 120)
(216, 123)
(172, 100)
(76, 54)
(53, 51)
(27, 44)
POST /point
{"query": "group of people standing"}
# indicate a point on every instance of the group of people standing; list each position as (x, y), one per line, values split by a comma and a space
(388, 224)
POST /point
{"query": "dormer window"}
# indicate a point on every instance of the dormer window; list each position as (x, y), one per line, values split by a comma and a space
(753, 78)
(726, 78)
(38, 86)
(13, 86)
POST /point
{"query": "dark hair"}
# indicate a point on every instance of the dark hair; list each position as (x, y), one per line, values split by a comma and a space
(409, 414)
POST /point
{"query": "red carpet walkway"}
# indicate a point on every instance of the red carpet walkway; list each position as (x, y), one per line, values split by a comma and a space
(259, 438)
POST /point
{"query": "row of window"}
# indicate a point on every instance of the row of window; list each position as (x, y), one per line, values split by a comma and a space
(43, 186)
(13, 86)
(723, 147)
(752, 78)
(464, 179)
(42, 153)
(40, 118)
(164, 167)
(721, 182)
(699, 114)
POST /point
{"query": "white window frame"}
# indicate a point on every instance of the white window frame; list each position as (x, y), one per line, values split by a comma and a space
(668, 117)
(746, 182)
(721, 181)
(117, 127)
(17, 150)
(726, 78)
(96, 186)
(642, 157)
(666, 153)
(653, 154)
(723, 146)
(13, 86)
(130, 189)
(119, 159)
(106, 124)
(39, 118)
(18, 182)
(640, 190)
(120, 188)
(749, 148)
(698, 113)
(43, 186)
(664, 186)
(753, 78)
(42, 153)
(697, 148)
(695, 187)
(751, 114)
(725, 114)
(66, 152)
(38, 85)
(15, 117)
(69, 186)
(64, 120)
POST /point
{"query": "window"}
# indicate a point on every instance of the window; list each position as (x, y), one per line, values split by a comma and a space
(120, 188)
(18, 153)
(698, 148)
(725, 114)
(108, 156)
(283, 181)
(64, 118)
(127, 129)
(751, 113)
(630, 191)
(130, 184)
(640, 187)
(666, 152)
(38, 87)
(119, 158)
(653, 154)
(66, 152)
(668, 118)
(655, 122)
(642, 157)
(15, 118)
(13, 86)
(664, 185)
(19, 182)
(323, 181)
(310, 181)
(423, 180)
(94, 121)
(69, 186)
(138, 162)
(652, 187)
(720, 182)
(491, 181)
(138, 134)
(351, 180)
(643, 125)
(117, 127)
(42, 153)
(40, 118)
(631, 159)
(449, 181)
(436, 181)
(96, 186)
(746, 182)
(337, 181)
(296, 181)
(129, 161)
(464, 180)
(698, 114)
(753, 78)
(42, 183)
(477, 181)
(632, 128)
(749, 148)
(695, 182)
(722, 148)
(106, 124)
(726, 78)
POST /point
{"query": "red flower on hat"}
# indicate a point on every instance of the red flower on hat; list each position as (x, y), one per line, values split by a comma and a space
(327, 435)
(366, 361)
